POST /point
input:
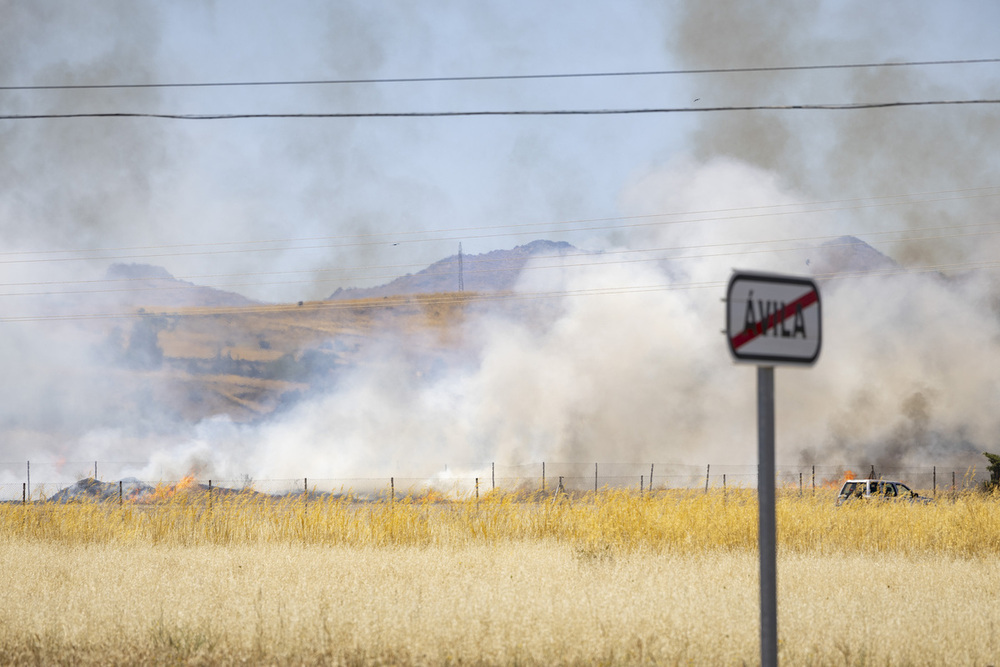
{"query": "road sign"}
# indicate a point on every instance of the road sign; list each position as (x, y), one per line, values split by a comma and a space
(772, 318)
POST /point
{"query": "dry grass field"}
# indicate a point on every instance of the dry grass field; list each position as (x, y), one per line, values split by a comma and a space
(610, 578)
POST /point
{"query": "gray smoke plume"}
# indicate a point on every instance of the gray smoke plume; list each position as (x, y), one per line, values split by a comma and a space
(904, 375)
(623, 361)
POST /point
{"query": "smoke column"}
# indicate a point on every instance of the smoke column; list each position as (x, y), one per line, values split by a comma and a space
(907, 373)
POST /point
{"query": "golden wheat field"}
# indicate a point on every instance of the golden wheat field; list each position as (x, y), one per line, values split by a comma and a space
(612, 578)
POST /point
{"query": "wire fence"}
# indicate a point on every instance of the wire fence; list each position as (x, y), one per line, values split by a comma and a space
(39, 481)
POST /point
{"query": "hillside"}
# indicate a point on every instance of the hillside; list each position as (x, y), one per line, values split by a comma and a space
(495, 271)
(849, 255)
(151, 286)
(197, 352)
(249, 361)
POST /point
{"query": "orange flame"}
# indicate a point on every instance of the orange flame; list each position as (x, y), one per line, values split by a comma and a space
(836, 482)
(166, 492)
(431, 496)
(186, 483)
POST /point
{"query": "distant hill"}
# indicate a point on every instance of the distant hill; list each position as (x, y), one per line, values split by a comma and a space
(849, 255)
(250, 363)
(494, 271)
(148, 286)
(499, 270)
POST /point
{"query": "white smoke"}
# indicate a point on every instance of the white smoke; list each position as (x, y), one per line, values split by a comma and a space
(627, 362)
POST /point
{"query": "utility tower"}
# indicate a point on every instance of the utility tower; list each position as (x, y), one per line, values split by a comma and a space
(461, 271)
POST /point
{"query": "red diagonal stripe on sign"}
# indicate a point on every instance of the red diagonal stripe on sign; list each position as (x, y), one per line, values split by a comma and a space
(744, 337)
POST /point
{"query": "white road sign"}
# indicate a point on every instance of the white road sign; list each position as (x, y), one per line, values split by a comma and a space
(772, 318)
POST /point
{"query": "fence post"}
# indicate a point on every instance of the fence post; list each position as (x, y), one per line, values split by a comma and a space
(493, 475)
(392, 489)
(543, 476)
(24, 493)
(595, 478)
(641, 481)
(651, 477)
(708, 469)
(800, 483)
(477, 489)
(814, 480)
(120, 498)
(723, 486)
(934, 481)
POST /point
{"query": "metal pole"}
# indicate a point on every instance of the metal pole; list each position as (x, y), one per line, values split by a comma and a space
(766, 518)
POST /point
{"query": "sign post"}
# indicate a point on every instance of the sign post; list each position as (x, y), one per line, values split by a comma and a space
(770, 319)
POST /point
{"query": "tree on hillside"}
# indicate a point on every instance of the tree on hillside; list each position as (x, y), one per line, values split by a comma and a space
(994, 468)
(143, 351)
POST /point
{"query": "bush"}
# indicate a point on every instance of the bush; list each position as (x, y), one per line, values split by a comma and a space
(994, 467)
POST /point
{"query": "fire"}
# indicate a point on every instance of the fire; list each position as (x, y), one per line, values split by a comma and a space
(185, 483)
(836, 482)
(166, 492)
(431, 496)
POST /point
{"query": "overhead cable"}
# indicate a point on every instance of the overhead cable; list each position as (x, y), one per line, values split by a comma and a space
(386, 238)
(502, 77)
(509, 112)
(556, 226)
(471, 297)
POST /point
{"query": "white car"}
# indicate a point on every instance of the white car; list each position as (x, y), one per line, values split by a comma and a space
(881, 489)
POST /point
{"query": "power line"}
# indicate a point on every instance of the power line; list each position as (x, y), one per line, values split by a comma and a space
(854, 106)
(491, 231)
(464, 297)
(599, 260)
(485, 260)
(503, 77)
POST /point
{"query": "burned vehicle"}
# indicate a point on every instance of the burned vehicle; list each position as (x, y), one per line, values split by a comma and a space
(878, 489)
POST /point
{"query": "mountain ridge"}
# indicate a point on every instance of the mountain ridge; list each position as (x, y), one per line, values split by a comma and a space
(494, 271)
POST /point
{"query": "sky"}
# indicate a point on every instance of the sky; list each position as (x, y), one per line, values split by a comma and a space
(282, 210)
